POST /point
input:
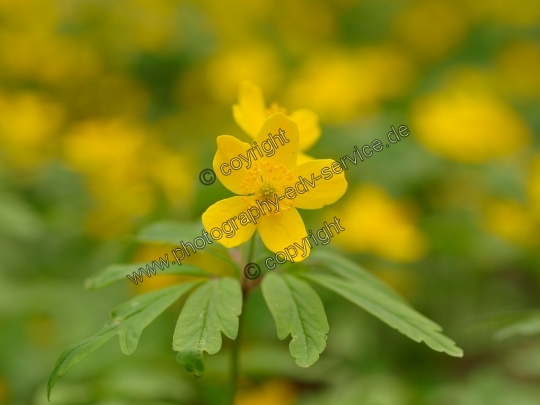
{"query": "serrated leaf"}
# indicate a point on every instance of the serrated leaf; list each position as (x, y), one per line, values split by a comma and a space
(128, 321)
(174, 232)
(350, 270)
(528, 326)
(211, 309)
(137, 313)
(298, 311)
(75, 353)
(110, 274)
(392, 311)
(116, 272)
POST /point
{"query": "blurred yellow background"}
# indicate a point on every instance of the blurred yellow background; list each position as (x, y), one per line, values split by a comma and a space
(110, 109)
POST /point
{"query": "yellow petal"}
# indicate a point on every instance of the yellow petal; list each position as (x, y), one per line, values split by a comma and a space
(275, 147)
(309, 130)
(250, 111)
(224, 215)
(279, 231)
(303, 158)
(231, 148)
(326, 191)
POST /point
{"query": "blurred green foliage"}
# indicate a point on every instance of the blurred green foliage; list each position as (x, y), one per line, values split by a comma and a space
(110, 109)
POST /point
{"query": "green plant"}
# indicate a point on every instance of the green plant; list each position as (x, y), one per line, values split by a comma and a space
(215, 305)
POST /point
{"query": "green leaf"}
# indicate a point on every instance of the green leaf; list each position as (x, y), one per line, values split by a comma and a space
(75, 353)
(212, 308)
(350, 270)
(136, 314)
(529, 325)
(116, 272)
(297, 310)
(390, 309)
(170, 232)
(174, 232)
(128, 321)
(110, 274)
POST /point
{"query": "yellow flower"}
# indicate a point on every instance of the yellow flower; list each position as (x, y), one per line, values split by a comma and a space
(342, 84)
(250, 113)
(382, 226)
(267, 178)
(511, 221)
(465, 122)
(514, 221)
(29, 125)
(257, 62)
(273, 392)
(118, 160)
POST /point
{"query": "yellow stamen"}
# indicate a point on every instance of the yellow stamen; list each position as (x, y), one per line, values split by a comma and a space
(265, 180)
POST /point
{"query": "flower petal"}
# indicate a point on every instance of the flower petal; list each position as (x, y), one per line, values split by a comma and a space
(224, 215)
(229, 148)
(282, 148)
(324, 191)
(309, 130)
(282, 230)
(250, 111)
(303, 158)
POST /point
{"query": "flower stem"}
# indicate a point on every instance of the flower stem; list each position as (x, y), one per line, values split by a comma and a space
(235, 366)
(251, 250)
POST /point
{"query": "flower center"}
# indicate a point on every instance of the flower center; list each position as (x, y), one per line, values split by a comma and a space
(265, 180)
(267, 190)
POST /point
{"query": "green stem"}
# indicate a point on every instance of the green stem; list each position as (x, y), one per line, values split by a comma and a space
(251, 250)
(235, 366)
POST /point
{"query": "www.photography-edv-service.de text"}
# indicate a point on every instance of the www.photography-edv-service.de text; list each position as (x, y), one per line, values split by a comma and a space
(272, 205)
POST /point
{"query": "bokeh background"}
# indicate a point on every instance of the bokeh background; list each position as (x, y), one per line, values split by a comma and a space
(109, 109)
